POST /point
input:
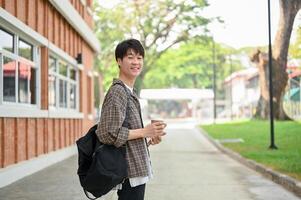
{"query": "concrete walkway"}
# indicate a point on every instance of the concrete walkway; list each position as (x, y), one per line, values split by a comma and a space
(186, 167)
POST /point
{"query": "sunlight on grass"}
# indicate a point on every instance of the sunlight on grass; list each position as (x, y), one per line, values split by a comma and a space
(256, 136)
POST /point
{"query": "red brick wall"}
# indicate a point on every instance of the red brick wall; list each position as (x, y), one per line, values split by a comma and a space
(25, 138)
(22, 138)
(44, 77)
(31, 138)
(10, 6)
(21, 11)
(50, 135)
(56, 28)
(41, 16)
(40, 20)
(83, 11)
(50, 23)
(31, 19)
(40, 136)
(9, 143)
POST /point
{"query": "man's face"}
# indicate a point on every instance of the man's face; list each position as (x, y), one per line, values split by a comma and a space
(131, 65)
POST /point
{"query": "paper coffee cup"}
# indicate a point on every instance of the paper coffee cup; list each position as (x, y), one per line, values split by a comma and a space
(158, 120)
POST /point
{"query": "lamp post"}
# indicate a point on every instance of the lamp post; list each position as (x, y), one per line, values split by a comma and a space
(231, 90)
(272, 144)
(214, 80)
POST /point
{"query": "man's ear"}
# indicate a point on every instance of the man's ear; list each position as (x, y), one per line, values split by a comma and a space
(119, 60)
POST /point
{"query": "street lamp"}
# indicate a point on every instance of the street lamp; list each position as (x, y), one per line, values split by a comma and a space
(214, 80)
(229, 57)
(272, 144)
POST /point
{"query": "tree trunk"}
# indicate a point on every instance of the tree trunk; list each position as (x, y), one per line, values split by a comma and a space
(288, 11)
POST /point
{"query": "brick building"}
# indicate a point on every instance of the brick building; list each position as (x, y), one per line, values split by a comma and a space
(47, 49)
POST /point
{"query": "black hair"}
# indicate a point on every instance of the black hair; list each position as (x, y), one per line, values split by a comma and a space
(124, 46)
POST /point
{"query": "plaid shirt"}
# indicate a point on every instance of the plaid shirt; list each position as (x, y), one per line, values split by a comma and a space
(111, 131)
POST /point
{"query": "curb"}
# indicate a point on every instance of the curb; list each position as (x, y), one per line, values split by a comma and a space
(12, 173)
(287, 182)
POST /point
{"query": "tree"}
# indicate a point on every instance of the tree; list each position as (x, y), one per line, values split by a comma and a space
(108, 33)
(190, 66)
(159, 25)
(288, 11)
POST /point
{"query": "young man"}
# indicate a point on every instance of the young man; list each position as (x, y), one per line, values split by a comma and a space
(121, 105)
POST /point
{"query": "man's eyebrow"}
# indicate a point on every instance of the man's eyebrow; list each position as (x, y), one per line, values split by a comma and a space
(131, 53)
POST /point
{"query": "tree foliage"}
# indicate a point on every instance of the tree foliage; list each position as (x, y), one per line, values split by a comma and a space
(159, 25)
(191, 66)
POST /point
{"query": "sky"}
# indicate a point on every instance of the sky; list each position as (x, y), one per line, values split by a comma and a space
(245, 21)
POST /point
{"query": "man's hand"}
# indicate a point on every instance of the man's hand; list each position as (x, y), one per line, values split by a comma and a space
(154, 130)
(155, 140)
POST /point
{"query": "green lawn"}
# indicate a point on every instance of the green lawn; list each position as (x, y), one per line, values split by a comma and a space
(256, 136)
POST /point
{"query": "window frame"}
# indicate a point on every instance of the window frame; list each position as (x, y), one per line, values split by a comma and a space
(13, 25)
(35, 64)
(13, 37)
(59, 60)
(28, 43)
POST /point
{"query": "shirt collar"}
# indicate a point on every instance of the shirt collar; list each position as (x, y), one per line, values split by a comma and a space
(116, 80)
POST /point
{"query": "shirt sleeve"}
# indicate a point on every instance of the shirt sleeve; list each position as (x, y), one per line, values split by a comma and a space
(110, 129)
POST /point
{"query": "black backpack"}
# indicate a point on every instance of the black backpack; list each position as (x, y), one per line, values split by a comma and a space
(100, 166)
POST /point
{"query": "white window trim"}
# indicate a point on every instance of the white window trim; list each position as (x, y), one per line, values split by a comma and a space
(77, 90)
(95, 73)
(89, 11)
(84, 2)
(16, 26)
(59, 53)
(13, 110)
(24, 110)
(14, 55)
(18, 58)
(69, 13)
(90, 73)
(58, 77)
(64, 113)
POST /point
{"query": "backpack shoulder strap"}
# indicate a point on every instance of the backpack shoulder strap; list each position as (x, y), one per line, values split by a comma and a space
(125, 122)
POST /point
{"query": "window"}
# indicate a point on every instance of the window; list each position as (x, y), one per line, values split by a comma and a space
(18, 69)
(73, 89)
(63, 84)
(25, 50)
(6, 40)
(9, 76)
(51, 82)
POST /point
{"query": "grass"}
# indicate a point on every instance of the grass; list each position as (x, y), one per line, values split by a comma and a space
(256, 135)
